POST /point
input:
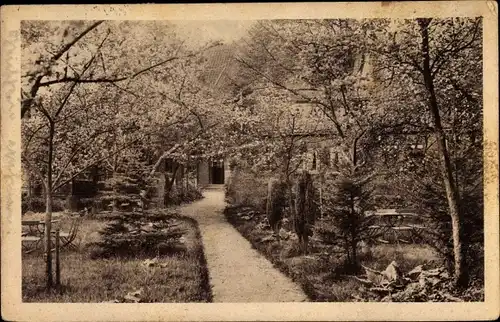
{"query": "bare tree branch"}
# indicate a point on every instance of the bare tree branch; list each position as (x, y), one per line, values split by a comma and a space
(78, 149)
(441, 59)
(76, 39)
(174, 148)
(74, 175)
(26, 103)
(184, 105)
(37, 171)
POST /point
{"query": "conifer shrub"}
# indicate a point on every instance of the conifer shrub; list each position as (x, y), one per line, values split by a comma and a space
(344, 223)
(276, 202)
(306, 208)
(140, 236)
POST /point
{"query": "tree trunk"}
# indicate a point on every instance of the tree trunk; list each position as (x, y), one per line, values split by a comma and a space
(47, 239)
(30, 189)
(186, 176)
(115, 173)
(168, 185)
(48, 208)
(320, 203)
(353, 233)
(347, 251)
(354, 252)
(180, 180)
(166, 189)
(95, 180)
(115, 192)
(460, 272)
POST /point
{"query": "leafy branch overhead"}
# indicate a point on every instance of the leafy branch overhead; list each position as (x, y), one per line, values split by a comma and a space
(61, 63)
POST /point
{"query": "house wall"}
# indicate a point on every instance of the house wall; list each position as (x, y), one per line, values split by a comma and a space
(325, 154)
(203, 173)
(158, 199)
(227, 171)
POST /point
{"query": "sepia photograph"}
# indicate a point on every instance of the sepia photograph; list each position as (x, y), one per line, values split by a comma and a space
(252, 160)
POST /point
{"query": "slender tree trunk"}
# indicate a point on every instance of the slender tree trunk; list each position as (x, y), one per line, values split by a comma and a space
(320, 203)
(169, 184)
(115, 174)
(47, 239)
(187, 175)
(347, 250)
(353, 230)
(354, 155)
(305, 240)
(95, 179)
(115, 193)
(180, 180)
(352, 242)
(354, 252)
(48, 208)
(460, 271)
(30, 188)
(166, 188)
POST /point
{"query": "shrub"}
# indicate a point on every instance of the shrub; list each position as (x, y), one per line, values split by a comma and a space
(138, 235)
(247, 189)
(174, 197)
(344, 223)
(276, 202)
(88, 203)
(192, 193)
(37, 204)
(178, 196)
(306, 208)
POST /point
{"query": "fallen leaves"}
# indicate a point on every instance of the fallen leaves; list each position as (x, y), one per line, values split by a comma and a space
(130, 297)
(134, 297)
(153, 263)
(417, 285)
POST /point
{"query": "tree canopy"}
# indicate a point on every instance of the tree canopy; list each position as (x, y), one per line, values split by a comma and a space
(399, 100)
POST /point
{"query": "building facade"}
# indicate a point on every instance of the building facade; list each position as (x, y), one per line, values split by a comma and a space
(212, 172)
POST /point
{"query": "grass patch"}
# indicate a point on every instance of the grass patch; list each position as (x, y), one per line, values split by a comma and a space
(319, 273)
(179, 276)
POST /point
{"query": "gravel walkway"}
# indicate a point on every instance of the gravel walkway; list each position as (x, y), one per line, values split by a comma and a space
(238, 273)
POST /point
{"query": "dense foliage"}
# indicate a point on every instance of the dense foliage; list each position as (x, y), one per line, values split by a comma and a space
(140, 236)
(392, 99)
(383, 113)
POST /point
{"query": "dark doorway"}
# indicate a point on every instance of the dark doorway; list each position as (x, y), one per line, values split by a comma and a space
(217, 172)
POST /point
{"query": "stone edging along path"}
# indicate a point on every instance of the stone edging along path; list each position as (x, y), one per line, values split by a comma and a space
(238, 273)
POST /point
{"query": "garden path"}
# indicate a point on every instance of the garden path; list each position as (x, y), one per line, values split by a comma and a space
(238, 273)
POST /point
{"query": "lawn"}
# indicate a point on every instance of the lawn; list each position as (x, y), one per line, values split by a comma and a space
(176, 276)
(319, 273)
